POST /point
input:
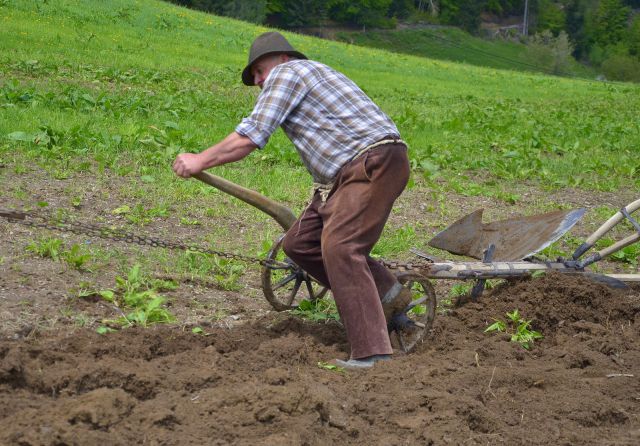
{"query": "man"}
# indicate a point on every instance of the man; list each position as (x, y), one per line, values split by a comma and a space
(359, 165)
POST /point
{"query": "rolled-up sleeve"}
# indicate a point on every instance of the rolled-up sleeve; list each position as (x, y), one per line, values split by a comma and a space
(282, 92)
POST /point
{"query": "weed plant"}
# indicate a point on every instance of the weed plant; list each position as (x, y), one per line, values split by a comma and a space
(226, 274)
(46, 247)
(138, 299)
(319, 310)
(517, 327)
(76, 256)
(629, 255)
(53, 248)
(330, 367)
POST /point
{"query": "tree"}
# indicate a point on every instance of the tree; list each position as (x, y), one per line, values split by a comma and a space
(432, 5)
(495, 6)
(610, 22)
(254, 11)
(550, 16)
(633, 37)
(297, 13)
(359, 12)
(400, 9)
(575, 23)
(505, 8)
(463, 13)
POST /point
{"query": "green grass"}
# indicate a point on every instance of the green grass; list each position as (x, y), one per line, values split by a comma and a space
(455, 45)
(123, 86)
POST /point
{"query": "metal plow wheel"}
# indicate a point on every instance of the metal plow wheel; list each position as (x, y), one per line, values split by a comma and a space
(410, 327)
(286, 286)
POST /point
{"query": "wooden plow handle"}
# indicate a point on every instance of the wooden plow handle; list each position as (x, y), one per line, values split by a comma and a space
(279, 212)
(625, 212)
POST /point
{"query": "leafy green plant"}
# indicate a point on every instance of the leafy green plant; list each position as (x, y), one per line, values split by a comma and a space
(538, 273)
(139, 215)
(460, 289)
(629, 254)
(76, 202)
(330, 367)
(76, 257)
(518, 328)
(417, 293)
(140, 304)
(319, 310)
(227, 273)
(51, 247)
(190, 221)
(48, 247)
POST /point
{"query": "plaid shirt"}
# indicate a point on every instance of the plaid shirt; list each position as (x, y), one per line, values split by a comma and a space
(326, 116)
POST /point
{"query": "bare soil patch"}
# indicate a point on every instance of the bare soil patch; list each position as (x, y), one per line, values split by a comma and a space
(258, 383)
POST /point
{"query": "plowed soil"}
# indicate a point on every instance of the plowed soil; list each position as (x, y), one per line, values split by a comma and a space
(259, 382)
(253, 377)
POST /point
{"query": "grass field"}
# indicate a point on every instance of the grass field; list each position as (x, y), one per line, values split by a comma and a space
(98, 90)
(455, 45)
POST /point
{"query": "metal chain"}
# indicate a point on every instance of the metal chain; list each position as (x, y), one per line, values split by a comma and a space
(100, 231)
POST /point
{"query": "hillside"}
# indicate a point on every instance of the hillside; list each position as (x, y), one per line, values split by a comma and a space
(455, 45)
(135, 67)
(604, 34)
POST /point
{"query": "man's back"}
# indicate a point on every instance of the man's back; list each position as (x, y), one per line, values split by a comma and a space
(325, 114)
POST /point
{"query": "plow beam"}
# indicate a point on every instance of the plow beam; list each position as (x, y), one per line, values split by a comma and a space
(280, 213)
(506, 270)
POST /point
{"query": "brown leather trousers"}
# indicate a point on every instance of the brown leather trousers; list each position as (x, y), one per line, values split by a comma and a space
(332, 241)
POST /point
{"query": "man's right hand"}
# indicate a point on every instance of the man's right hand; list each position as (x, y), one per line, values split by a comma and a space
(233, 148)
(188, 164)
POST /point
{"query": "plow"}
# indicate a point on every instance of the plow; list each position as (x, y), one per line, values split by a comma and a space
(500, 250)
(503, 250)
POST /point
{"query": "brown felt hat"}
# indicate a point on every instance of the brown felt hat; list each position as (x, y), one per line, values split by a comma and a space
(266, 44)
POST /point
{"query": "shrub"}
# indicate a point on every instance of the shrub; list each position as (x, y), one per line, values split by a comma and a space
(550, 52)
(633, 38)
(621, 67)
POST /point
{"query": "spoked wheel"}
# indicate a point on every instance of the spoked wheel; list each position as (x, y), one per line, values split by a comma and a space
(285, 286)
(412, 325)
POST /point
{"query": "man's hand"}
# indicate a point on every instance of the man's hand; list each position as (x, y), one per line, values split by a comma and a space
(233, 148)
(188, 164)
